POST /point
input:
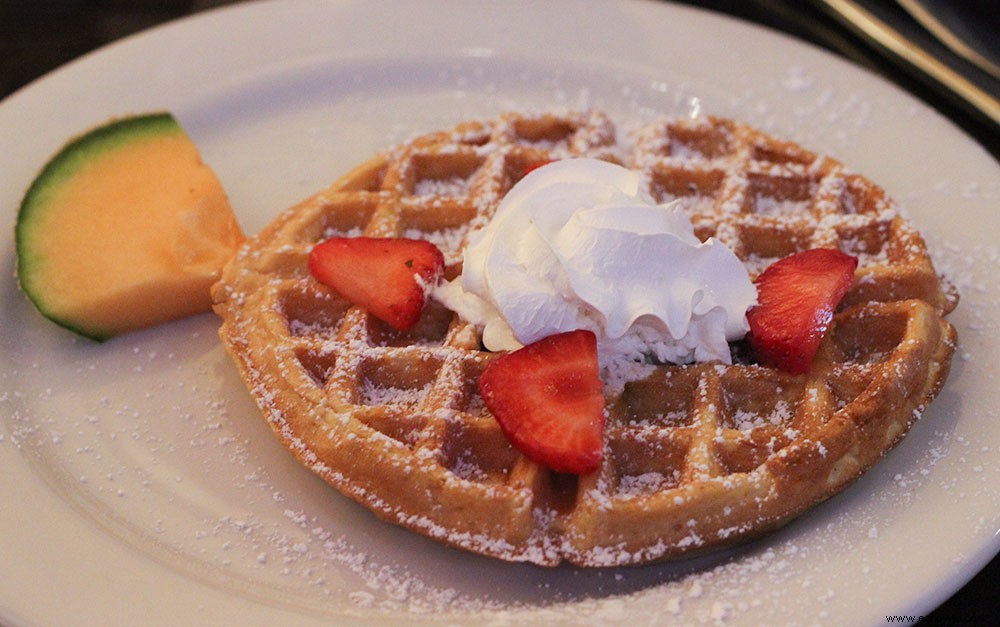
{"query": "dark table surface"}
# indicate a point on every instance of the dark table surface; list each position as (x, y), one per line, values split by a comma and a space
(37, 36)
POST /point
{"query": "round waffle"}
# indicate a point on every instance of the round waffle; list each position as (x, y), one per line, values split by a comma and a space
(695, 456)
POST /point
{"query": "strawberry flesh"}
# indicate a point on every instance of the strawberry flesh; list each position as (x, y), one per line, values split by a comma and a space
(389, 277)
(531, 167)
(796, 298)
(548, 399)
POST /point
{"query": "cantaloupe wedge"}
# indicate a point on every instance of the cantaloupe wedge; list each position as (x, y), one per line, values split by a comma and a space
(124, 228)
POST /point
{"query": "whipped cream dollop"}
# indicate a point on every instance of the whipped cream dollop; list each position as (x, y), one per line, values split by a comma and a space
(577, 244)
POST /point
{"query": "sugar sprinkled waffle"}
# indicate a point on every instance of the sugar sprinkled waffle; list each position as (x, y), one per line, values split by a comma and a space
(695, 456)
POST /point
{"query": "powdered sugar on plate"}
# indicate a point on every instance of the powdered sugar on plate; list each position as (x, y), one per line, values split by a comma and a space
(190, 443)
(153, 440)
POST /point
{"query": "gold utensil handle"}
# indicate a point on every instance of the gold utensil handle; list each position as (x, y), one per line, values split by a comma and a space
(948, 37)
(885, 36)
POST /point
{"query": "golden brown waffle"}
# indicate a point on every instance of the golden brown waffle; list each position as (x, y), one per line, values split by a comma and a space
(696, 456)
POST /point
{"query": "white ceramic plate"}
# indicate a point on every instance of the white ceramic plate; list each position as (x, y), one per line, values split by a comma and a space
(138, 484)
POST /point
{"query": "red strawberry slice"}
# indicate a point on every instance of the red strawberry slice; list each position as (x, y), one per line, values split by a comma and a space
(388, 277)
(796, 298)
(548, 400)
(531, 167)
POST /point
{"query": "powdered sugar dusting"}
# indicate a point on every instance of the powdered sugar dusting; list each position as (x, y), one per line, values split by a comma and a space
(155, 443)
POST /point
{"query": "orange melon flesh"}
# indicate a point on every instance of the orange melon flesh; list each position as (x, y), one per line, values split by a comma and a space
(126, 228)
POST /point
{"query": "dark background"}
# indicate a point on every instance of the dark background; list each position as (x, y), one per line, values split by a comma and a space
(37, 36)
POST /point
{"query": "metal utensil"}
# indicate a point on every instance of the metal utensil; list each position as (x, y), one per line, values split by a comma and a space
(877, 31)
(920, 12)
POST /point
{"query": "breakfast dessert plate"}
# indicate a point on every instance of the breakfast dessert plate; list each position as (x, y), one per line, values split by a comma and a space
(138, 475)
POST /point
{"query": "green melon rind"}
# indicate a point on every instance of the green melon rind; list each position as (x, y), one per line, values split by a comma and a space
(66, 163)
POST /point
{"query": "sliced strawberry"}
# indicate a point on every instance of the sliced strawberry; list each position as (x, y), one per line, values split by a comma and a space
(388, 277)
(796, 298)
(548, 400)
(531, 167)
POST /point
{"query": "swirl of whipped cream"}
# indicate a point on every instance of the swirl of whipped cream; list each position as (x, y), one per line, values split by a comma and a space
(576, 244)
